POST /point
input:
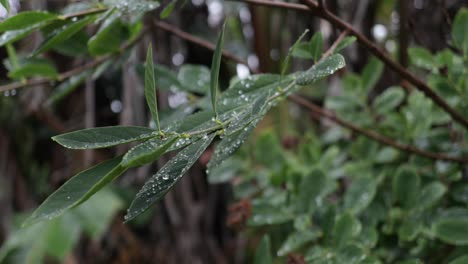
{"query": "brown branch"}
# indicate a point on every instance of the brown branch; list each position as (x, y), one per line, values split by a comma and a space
(201, 42)
(65, 75)
(334, 45)
(372, 134)
(315, 9)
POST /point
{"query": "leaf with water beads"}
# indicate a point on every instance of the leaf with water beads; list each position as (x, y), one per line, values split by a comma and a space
(215, 65)
(324, 68)
(103, 137)
(147, 152)
(159, 184)
(77, 190)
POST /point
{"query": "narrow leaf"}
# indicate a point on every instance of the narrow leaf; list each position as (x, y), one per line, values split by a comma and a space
(263, 252)
(344, 43)
(150, 88)
(109, 37)
(77, 190)
(295, 46)
(324, 68)
(372, 73)
(316, 46)
(103, 137)
(215, 65)
(406, 185)
(6, 5)
(168, 9)
(147, 152)
(159, 184)
(63, 34)
(26, 19)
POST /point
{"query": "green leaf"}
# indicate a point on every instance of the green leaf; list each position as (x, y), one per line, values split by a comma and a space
(324, 68)
(460, 260)
(406, 184)
(459, 35)
(302, 50)
(74, 46)
(297, 49)
(226, 171)
(312, 189)
(5, 4)
(430, 194)
(215, 65)
(67, 87)
(168, 9)
(35, 67)
(14, 35)
(372, 73)
(410, 229)
(25, 20)
(460, 193)
(147, 152)
(160, 183)
(389, 100)
(263, 252)
(103, 137)
(452, 230)
(63, 33)
(346, 228)
(298, 239)
(421, 57)
(150, 88)
(316, 46)
(360, 194)
(344, 43)
(194, 78)
(109, 37)
(77, 190)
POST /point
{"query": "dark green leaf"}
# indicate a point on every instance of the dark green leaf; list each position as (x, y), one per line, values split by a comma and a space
(360, 194)
(430, 194)
(459, 35)
(63, 33)
(36, 67)
(168, 9)
(77, 190)
(109, 37)
(103, 137)
(388, 100)
(346, 228)
(14, 35)
(311, 190)
(324, 68)
(372, 73)
(406, 184)
(263, 252)
(421, 57)
(75, 46)
(25, 20)
(344, 43)
(460, 260)
(297, 240)
(460, 193)
(150, 88)
(452, 230)
(160, 183)
(147, 152)
(215, 65)
(316, 46)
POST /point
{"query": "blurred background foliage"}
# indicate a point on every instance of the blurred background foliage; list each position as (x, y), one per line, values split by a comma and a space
(302, 189)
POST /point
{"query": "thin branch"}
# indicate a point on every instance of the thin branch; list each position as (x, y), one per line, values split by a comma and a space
(85, 12)
(65, 75)
(335, 44)
(372, 134)
(314, 8)
(201, 42)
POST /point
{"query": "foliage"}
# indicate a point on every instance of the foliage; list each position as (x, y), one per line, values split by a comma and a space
(338, 198)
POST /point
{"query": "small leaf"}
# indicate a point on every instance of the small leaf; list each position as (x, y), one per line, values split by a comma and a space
(36, 67)
(302, 50)
(430, 194)
(26, 19)
(63, 33)
(344, 43)
(312, 189)
(150, 88)
(460, 260)
(452, 230)
(316, 46)
(263, 252)
(168, 9)
(14, 35)
(421, 57)
(459, 35)
(147, 152)
(160, 183)
(360, 194)
(215, 65)
(406, 184)
(388, 100)
(346, 228)
(372, 73)
(324, 68)
(296, 50)
(194, 78)
(77, 190)
(103, 137)
(298, 239)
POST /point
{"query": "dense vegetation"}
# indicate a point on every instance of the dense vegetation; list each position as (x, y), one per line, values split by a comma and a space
(326, 161)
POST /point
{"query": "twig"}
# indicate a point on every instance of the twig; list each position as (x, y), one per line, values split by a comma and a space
(314, 8)
(65, 75)
(201, 42)
(372, 134)
(334, 45)
(85, 12)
